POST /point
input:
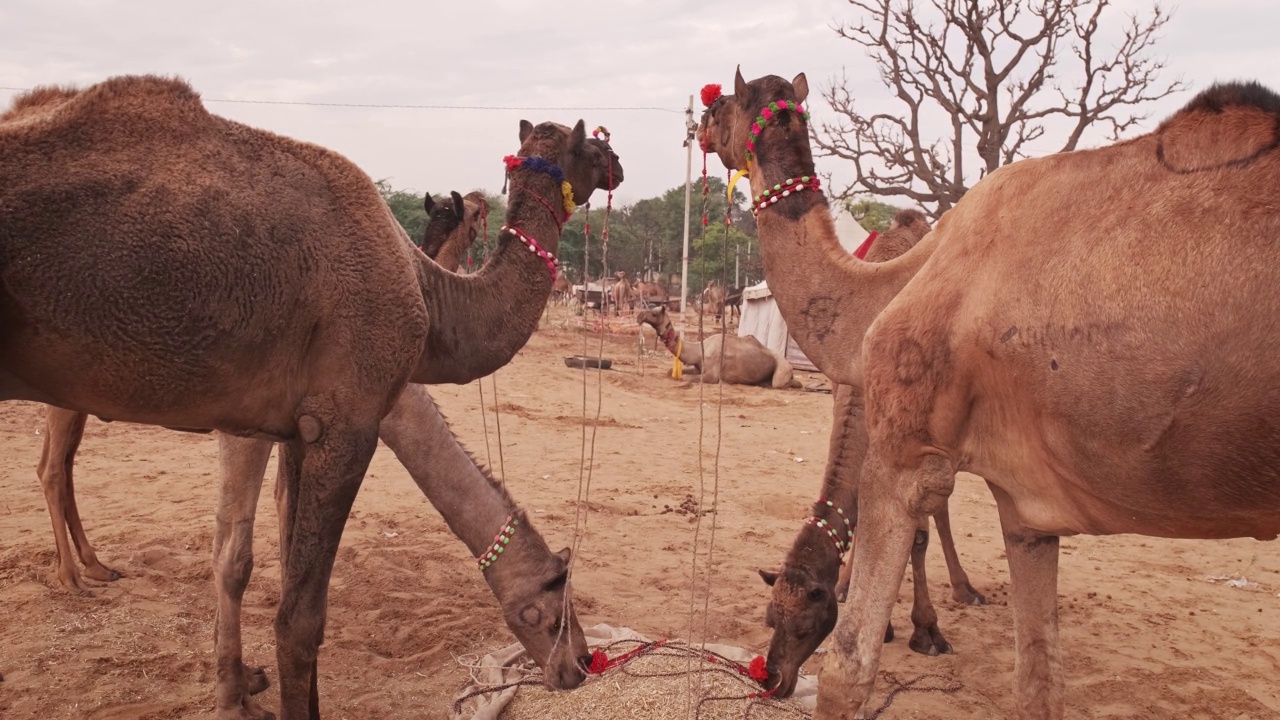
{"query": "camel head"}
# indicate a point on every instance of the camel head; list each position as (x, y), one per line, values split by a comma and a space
(911, 219)
(537, 608)
(449, 219)
(802, 612)
(589, 164)
(726, 124)
(656, 318)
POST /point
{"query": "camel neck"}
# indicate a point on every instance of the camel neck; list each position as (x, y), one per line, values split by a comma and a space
(479, 322)
(475, 507)
(827, 297)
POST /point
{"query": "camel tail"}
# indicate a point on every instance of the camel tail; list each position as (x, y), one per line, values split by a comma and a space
(783, 374)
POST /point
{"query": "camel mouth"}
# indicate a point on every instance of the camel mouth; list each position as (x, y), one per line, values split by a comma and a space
(782, 682)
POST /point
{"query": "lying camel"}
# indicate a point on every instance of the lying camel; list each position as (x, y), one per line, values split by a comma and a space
(224, 278)
(803, 603)
(450, 227)
(1068, 353)
(744, 362)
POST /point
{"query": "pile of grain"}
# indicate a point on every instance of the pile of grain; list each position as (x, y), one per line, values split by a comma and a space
(654, 687)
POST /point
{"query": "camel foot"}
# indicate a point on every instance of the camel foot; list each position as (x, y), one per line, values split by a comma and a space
(888, 634)
(966, 595)
(72, 582)
(255, 679)
(102, 573)
(249, 710)
(928, 640)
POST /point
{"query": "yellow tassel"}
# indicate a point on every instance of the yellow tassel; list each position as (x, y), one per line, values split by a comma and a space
(677, 367)
(734, 181)
(567, 191)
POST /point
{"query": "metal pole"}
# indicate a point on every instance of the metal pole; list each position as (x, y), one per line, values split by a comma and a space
(690, 127)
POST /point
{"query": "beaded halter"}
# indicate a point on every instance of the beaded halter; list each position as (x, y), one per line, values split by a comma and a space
(553, 171)
(500, 543)
(784, 189)
(842, 546)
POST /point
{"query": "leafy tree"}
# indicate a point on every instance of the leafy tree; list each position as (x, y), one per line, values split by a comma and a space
(407, 207)
(871, 214)
(977, 80)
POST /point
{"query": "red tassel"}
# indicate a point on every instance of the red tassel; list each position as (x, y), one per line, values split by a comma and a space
(599, 662)
(861, 252)
(757, 670)
(710, 93)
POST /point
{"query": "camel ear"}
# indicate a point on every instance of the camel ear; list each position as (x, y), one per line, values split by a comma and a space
(459, 210)
(579, 137)
(769, 576)
(739, 85)
(428, 203)
(801, 85)
(564, 556)
(526, 127)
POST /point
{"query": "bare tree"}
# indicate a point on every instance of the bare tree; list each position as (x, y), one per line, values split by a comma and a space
(987, 75)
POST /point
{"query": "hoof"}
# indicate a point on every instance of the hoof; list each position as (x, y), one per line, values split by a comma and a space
(966, 595)
(102, 573)
(255, 679)
(929, 641)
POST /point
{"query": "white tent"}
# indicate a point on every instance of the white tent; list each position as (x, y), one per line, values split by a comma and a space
(761, 317)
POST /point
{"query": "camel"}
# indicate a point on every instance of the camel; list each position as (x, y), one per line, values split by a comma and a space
(220, 277)
(1049, 336)
(652, 293)
(562, 288)
(813, 579)
(745, 360)
(450, 228)
(712, 299)
(620, 293)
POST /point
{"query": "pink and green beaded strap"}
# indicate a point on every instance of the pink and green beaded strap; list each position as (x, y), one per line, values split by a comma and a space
(842, 546)
(766, 114)
(500, 543)
(784, 189)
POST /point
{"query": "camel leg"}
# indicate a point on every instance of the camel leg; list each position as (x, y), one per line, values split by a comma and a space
(63, 431)
(886, 531)
(243, 461)
(318, 484)
(961, 590)
(846, 574)
(927, 639)
(1039, 688)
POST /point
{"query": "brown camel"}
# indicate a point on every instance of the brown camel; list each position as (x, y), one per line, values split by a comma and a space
(1050, 336)
(652, 293)
(712, 299)
(451, 228)
(745, 361)
(562, 288)
(620, 293)
(235, 280)
(803, 604)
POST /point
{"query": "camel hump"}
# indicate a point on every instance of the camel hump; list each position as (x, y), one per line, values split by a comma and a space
(1229, 125)
(126, 105)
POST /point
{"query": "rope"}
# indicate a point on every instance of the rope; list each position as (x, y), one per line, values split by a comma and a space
(497, 420)
(484, 419)
(747, 675)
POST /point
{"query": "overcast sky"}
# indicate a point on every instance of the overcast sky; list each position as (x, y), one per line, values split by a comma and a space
(507, 53)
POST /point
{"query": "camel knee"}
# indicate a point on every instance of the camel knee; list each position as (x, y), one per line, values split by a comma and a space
(299, 633)
(234, 571)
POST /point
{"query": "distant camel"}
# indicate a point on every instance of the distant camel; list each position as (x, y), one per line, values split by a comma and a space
(260, 287)
(441, 239)
(1105, 361)
(745, 362)
(620, 294)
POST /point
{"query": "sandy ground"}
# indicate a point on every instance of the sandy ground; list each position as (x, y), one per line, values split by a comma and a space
(1145, 634)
